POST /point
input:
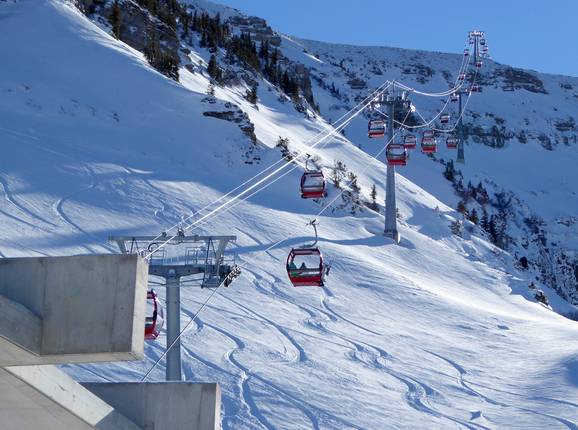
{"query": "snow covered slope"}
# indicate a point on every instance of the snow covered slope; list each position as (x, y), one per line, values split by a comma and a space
(440, 332)
(522, 136)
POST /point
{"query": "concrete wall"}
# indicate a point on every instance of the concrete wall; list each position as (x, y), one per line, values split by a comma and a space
(164, 405)
(44, 397)
(72, 309)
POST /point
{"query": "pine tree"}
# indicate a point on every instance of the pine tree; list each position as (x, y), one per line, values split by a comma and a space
(152, 47)
(165, 62)
(186, 23)
(462, 207)
(337, 173)
(274, 57)
(195, 22)
(373, 196)
(203, 41)
(115, 19)
(353, 183)
(485, 223)
(456, 227)
(283, 144)
(214, 70)
(286, 83)
(294, 89)
(264, 50)
(449, 171)
(482, 195)
(473, 216)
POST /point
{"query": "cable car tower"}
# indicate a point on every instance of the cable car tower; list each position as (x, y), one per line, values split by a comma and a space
(477, 40)
(201, 260)
(393, 102)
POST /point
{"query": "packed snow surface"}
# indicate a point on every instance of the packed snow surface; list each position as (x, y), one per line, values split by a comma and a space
(437, 333)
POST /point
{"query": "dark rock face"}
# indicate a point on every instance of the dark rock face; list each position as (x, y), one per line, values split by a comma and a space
(236, 115)
(566, 125)
(357, 84)
(135, 23)
(257, 28)
(495, 136)
(423, 72)
(519, 79)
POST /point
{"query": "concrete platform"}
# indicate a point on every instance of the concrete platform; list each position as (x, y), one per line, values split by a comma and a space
(85, 308)
(44, 397)
(164, 405)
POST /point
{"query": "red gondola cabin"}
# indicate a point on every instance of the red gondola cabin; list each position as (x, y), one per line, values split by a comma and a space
(452, 142)
(428, 142)
(305, 267)
(409, 141)
(313, 184)
(445, 118)
(155, 317)
(396, 154)
(376, 128)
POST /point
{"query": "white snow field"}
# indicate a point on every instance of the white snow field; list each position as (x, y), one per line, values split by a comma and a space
(438, 333)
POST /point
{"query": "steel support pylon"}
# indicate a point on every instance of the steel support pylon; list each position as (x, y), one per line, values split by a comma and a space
(390, 204)
(173, 296)
(460, 157)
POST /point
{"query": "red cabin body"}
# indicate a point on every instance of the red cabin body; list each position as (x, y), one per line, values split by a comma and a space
(155, 317)
(305, 267)
(444, 118)
(410, 141)
(376, 128)
(313, 185)
(428, 142)
(396, 154)
(452, 142)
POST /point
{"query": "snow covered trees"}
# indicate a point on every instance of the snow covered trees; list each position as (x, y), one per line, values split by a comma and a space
(163, 60)
(115, 19)
(283, 145)
(373, 195)
(338, 172)
(214, 70)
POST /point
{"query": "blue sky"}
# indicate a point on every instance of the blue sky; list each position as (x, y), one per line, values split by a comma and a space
(536, 34)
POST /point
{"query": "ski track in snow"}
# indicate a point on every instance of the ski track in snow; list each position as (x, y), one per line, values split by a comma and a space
(466, 387)
(9, 197)
(359, 349)
(299, 356)
(246, 375)
(58, 208)
(374, 357)
(159, 213)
